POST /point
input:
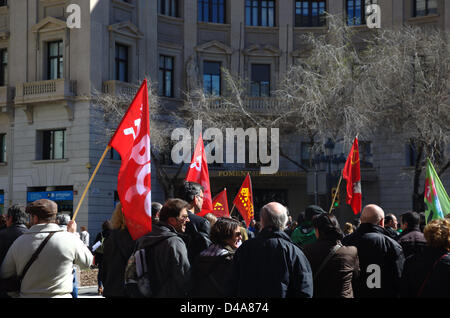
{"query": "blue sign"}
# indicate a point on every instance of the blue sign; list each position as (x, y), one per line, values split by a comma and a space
(50, 195)
(2, 199)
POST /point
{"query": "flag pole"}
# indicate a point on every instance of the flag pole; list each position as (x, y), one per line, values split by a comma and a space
(335, 195)
(231, 213)
(90, 181)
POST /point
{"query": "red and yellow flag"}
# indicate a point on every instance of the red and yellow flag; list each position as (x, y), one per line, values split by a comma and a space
(244, 201)
(220, 205)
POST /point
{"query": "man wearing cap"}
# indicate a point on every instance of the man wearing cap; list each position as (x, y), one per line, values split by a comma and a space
(51, 273)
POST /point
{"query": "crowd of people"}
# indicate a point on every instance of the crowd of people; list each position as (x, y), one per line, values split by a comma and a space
(192, 256)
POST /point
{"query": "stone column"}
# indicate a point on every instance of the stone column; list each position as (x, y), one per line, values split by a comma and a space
(237, 21)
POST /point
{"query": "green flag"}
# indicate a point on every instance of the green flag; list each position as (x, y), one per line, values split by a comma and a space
(436, 198)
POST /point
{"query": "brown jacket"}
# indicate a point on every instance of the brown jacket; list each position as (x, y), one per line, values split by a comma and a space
(335, 279)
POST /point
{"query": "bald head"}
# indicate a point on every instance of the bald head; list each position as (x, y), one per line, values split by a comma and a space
(274, 214)
(373, 214)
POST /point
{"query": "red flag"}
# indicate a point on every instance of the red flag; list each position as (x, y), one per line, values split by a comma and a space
(220, 205)
(244, 200)
(198, 172)
(352, 174)
(132, 141)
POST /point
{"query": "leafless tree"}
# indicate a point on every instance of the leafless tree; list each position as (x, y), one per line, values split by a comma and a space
(408, 80)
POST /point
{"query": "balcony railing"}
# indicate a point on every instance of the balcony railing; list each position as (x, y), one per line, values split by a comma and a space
(252, 104)
(119, 88)
(45, 91)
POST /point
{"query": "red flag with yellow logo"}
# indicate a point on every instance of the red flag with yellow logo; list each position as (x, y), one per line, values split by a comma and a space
(352, 174)
(220, 205)
(244, 201)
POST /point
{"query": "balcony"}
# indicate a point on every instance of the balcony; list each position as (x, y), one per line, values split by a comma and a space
(31, 94)
(6, 98)
(116, 88)
(259, 105)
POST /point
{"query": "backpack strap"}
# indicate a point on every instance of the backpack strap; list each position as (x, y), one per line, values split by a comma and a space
(325, 261)
(35, 255)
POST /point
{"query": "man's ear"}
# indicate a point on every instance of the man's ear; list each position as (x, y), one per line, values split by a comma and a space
(172, 221)
(381, 223)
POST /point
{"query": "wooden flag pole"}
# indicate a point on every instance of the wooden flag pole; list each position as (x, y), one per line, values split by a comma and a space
(90, 181)
(335, 195)
(231, 213)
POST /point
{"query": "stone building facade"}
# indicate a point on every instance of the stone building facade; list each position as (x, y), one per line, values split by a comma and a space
(51, 136)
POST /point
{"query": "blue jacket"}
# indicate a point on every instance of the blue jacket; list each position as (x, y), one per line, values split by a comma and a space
(271, 265)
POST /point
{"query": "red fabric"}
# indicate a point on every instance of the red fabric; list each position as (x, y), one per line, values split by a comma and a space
(220, 205)
(198, 172)
(244, 200)
(132, 141)
(352, 174)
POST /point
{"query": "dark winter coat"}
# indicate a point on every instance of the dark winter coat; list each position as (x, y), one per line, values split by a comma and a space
(393, 234)
(412, 241)
(8, 236)
(118, 248)
(211, 274)
(375, 247)
(197, 233)
(335, 279)
(271, 265)
(168, 262)
(420, 266)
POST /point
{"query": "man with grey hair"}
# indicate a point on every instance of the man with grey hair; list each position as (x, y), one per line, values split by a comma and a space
(381, 258)
(271, 265)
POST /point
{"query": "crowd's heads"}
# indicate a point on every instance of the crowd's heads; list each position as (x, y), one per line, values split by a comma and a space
(437, 233)
(107, 225)
(45, 210)
(410, 220)
(118, 219)
(274, 214)
(372, 214)
(192, 193)
(63, 219)
(226, 231)
(328, 227)
(311, 211)
(174, 212)
(391, 221)
(17, 215)
(348, 228)
(211, 218)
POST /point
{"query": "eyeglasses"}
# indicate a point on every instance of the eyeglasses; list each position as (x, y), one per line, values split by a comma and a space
(201, 197)
(238, 233)
(184, 217)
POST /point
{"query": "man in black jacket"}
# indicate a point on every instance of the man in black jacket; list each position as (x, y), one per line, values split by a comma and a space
(16, 220)
(197, 230)
(271, 265)
(411, 239)
(381, 258)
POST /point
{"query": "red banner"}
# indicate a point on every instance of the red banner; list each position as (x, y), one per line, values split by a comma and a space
(244, 201)
(352, 174)
(132, 141)
(220, 205)
(198, 172)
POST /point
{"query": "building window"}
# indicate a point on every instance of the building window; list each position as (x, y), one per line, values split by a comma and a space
(168, 7)
(114, 155)
(260, 85)
(211, 11)
(3, 3)
(121, 63)
(425, 7)
(55, 60)
(356, 11)
(2, 147)
(260, 12)
(410, 155)
(166, 76)
(310, 13)
(3, 67)
(365, 154)
(211, 78)
(53, 144)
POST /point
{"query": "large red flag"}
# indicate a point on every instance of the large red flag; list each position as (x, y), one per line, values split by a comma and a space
(132, 141)
(198, 172)
(352, 174)
(220, 205)
(244, 200)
